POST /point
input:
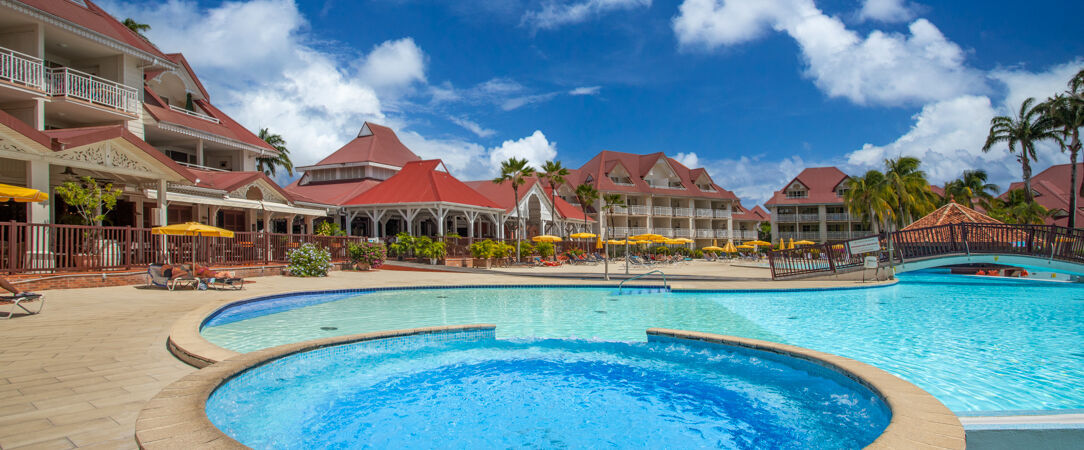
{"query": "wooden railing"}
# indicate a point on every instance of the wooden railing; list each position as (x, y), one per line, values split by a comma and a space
(1039, 241)
(47, 248)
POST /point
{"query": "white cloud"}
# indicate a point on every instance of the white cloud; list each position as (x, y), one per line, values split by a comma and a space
(886, 10)
(464, 159)
(555, 14)
(689, 160)
(585, 90)
(472, 126)
(535, 148)
(394, 65)
(1021, 84)
(754, 179)
(882, 68)
(519, 102)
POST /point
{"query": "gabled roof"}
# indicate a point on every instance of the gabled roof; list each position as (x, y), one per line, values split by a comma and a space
(421, 182)
(598, 167)
(502, 195)
(821, 182)
(1052, 189)
(180, 59)
(757, 214)
(74, 137)
(231, 181)
(336, 193)
(951, 213)
(95, 19)
(375, 143)
(226, 126)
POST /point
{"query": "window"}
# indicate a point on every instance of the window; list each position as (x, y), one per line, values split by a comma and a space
(841, 191)
(797, 193)
(621, 180)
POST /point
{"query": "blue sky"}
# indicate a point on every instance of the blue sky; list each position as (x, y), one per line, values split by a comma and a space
(753, 90)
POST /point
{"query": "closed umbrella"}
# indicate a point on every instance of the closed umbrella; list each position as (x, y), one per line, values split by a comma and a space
(21, 194)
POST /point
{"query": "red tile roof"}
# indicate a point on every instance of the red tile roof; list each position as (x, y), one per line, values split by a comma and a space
(24, 129)
(75, 137)
(336, 193)
(951, 213)
(421, 182)
(502, 195)
(226, 128)
(821, 182)
(382, 146)
(1052, 189)
(180, 60)
(757, 214)
(97, 20)
(637, 166)
(230, 181)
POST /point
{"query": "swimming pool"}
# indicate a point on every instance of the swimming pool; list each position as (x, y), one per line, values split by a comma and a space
(977, 344)
(470, 392)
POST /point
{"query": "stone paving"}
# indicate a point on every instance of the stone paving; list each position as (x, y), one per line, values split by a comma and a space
(78, 374)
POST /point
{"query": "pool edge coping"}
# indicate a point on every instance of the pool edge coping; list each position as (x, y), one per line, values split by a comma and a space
(187, 344)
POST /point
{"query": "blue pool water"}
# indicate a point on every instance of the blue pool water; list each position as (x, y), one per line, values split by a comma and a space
(977, 344)
(545, 393)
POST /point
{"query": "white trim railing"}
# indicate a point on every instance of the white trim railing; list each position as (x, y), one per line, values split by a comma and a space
(786, 217)
(22, 69)
(701, 233)
(68, 82)
(682, 232)
(662, 211)
(722, 214)
(665, 232)
(746, 235)
(618, 231)
(702, 212)
(683, 212)
(809, 217)
(634, 231)
(195, 114)
(721, 233)
(839, 217)
(639, 210)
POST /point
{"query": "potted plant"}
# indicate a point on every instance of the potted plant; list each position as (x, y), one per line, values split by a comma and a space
(482, 252)
(418, 248)
(366, 255)
(435, 251)
(545, 249)
(525, 250)
(309, 260)
(501, 252)
(91, 201)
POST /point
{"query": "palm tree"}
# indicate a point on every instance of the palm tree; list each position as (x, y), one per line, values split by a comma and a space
(515, 171)
(970, 187)
(136, 27)
(1076, 84)
(1018, 208)
(609, 202)
(587, 195)
(267, 164)
(869, 197)
(554, 174)
(1029, 127)
(911, 191)
(1067, 112)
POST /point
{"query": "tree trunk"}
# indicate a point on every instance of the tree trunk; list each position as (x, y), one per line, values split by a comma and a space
(1074, 191)
(553, 205)
(873, 221)
(515, 194)
(1025, 165)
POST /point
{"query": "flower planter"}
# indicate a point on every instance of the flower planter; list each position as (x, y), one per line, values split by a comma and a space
(483, 263)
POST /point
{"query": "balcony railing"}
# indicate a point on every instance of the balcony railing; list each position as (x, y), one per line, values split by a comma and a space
(701, 212)
(683, 212)
(21, 69)
(619, 231)
(839, 217)
(195, 114)
(663, 210)
(746, 235)
(845, 235)
(67, 82)
(667, 232)
(722, 214)
(639, 210)
(786, 217)
(705, 233)
(682, 232)
(724, 234)
(633, 231)
(809, 217)
(801, 235)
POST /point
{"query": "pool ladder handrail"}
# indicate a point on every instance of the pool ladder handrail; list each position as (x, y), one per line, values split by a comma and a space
(664, 283)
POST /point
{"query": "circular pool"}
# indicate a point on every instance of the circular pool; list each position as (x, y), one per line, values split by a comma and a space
(551, 393)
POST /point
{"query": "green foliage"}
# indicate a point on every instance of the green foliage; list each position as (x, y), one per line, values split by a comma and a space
(575, 252)
(452, 235)
(267, 164)
(502, 250)
(403, 245)
(544, 249)
(1017, 208)
(310, 260)
(764, 231)
(1030, 126)
(329, 228)
(482, 249)
(683, 251)
(91, 200)
(427, 248)
(969, 188)
(870, 197)
(525, 250)
(136, 27)
(698, 253)
(371, 253)
(660, 250)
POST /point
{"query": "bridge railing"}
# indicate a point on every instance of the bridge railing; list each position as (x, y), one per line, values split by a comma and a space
(1039, 241)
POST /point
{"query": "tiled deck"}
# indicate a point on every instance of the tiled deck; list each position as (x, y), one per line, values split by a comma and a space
(77, 374)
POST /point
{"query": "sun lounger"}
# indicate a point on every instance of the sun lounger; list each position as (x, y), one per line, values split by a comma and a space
(19, 299)
(226, 284)
(159, 279)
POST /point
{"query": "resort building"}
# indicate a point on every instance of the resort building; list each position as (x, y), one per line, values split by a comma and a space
(1051, 189)
(82, 95)
(810, 207)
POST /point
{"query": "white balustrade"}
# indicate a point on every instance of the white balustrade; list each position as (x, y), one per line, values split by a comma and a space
(195, 114)
(21, 69)
(639, 210)
(683, 212)
(663, 210)
(682, 232)
(703, 212)
(67, 82)
(722, 214)
(701, 233)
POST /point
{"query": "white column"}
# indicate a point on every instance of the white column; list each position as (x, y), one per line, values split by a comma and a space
(307, 229)
(290, 224)
(730, 220)
(199, 152)
(163, 206)
(212, 215)
(37, 177)
(441, 215)
(822, 215)
(267, 215)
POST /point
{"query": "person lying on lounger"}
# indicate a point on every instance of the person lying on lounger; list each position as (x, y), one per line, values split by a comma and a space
(4, 283)
(171, 271)
(205, 272)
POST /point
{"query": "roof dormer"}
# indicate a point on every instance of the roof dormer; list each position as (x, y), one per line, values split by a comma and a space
(796, 190)
(619, 175)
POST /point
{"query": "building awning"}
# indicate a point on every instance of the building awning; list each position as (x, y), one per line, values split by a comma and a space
(238, 203)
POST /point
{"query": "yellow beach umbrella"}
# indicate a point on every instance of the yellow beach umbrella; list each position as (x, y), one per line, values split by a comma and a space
(804, 242)
(746, 247)
(713, 248)
(685, 240)
(714, 242)
(598, 244)
(759, 243)
(649, 237)
(546, 238)
(616, 242)
(791, 243)
(729, 248)
(673, 242)
(192, 229)
(582, 235)
(21, 194)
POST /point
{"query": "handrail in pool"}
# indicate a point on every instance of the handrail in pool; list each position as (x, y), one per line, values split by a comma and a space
(664, 283)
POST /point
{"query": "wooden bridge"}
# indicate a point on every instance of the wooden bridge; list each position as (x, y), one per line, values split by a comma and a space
(1041, 247)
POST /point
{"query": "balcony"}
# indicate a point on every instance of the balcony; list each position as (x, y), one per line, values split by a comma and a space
(633, 231)
(22, 70)
(662, 211)
(73, 84)
(667, 232)
(722, 214)
(195, 114)
(845, 235)
(683, 212)
(639, 210)
(840, 217)
(809, 217)
(786, 217)
(723, 234)
(705, 233)
(746, 235)
(701, 212)
(682, 232)
(814, 236)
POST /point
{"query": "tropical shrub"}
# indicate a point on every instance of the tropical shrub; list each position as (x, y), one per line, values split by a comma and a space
(310, 260)
(660, 250)
(544, 249)
(329, 228)
(525, 250)
(427, 248)
(407, 244)
(698, 253)
(502, 250)
(482, 249)
(682, 251)
(372, 254)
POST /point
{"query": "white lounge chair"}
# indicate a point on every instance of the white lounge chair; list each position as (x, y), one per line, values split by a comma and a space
(159, 279)
(25, 297)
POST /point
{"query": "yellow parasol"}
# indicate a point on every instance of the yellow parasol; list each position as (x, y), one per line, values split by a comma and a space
(616, 242)
(673, 242)
(192, 229)
(649, 237)
(21, 194)
(713, 248)
(759, 243)
(791, 243)
(804, 242)
(598, 244)
(546, 238)
(746, 247)
(582, 235)
(729, 248)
